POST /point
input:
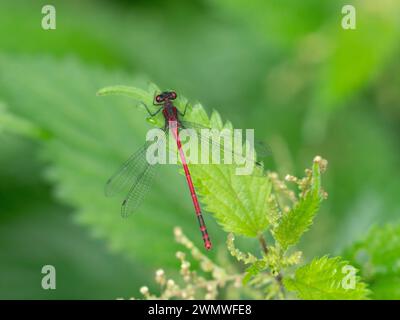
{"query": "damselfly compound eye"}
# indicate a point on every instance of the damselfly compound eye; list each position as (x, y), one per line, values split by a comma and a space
(172, 95)
(158, 98)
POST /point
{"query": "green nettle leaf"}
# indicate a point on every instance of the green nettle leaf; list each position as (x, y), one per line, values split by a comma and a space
(378, 257)
(327, 279)
(132, 92)
(300, 217)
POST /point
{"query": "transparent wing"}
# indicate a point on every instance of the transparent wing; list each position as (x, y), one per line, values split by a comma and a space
(134, 178)
(138, 191)
(130, 171)
(262, 150)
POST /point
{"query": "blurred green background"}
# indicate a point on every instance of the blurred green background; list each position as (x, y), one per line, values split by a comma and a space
(285, 68)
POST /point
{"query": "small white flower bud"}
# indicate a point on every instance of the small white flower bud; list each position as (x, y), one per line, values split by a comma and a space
(177, 232)
(159, 273)
(170, 283)
(180, 255)
(208, 296)
(317, 159)
(144, 290)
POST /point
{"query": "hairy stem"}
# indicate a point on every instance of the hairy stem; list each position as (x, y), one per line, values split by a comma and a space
(278, 278)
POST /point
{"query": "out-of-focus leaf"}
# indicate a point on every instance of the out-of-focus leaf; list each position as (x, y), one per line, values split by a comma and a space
(281, 22)
(378, 257)
(14, 124)
(82, 27)
(36, 231)
(356, 56)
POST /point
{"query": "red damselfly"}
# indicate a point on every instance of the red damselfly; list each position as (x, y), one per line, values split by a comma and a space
(136, 174)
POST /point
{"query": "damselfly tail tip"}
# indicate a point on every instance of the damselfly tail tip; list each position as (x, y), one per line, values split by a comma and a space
(207, 245)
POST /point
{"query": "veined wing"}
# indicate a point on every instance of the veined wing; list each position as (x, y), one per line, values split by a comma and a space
(128, 173)
(138, 191)
(261, 149)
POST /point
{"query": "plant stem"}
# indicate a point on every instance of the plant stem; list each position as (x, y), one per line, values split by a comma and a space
(263, 244)
(264, 248)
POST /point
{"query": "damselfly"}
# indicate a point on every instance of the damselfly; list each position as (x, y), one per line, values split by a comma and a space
(136, 174)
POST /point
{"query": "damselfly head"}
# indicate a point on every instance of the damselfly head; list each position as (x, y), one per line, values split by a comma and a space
(166, 95)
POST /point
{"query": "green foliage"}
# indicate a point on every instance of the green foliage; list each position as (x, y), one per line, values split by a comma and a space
(297, 221)
(13, 124)
(300, 80)
(311, 25)
(241, 204)
(36, 230)
(318, 280)
(323, 279)
(253, 270)
(132, 92)
(236, 253)
(377, 255)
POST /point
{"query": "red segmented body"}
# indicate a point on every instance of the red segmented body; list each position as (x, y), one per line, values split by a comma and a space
(203, 228)
(170, 113)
